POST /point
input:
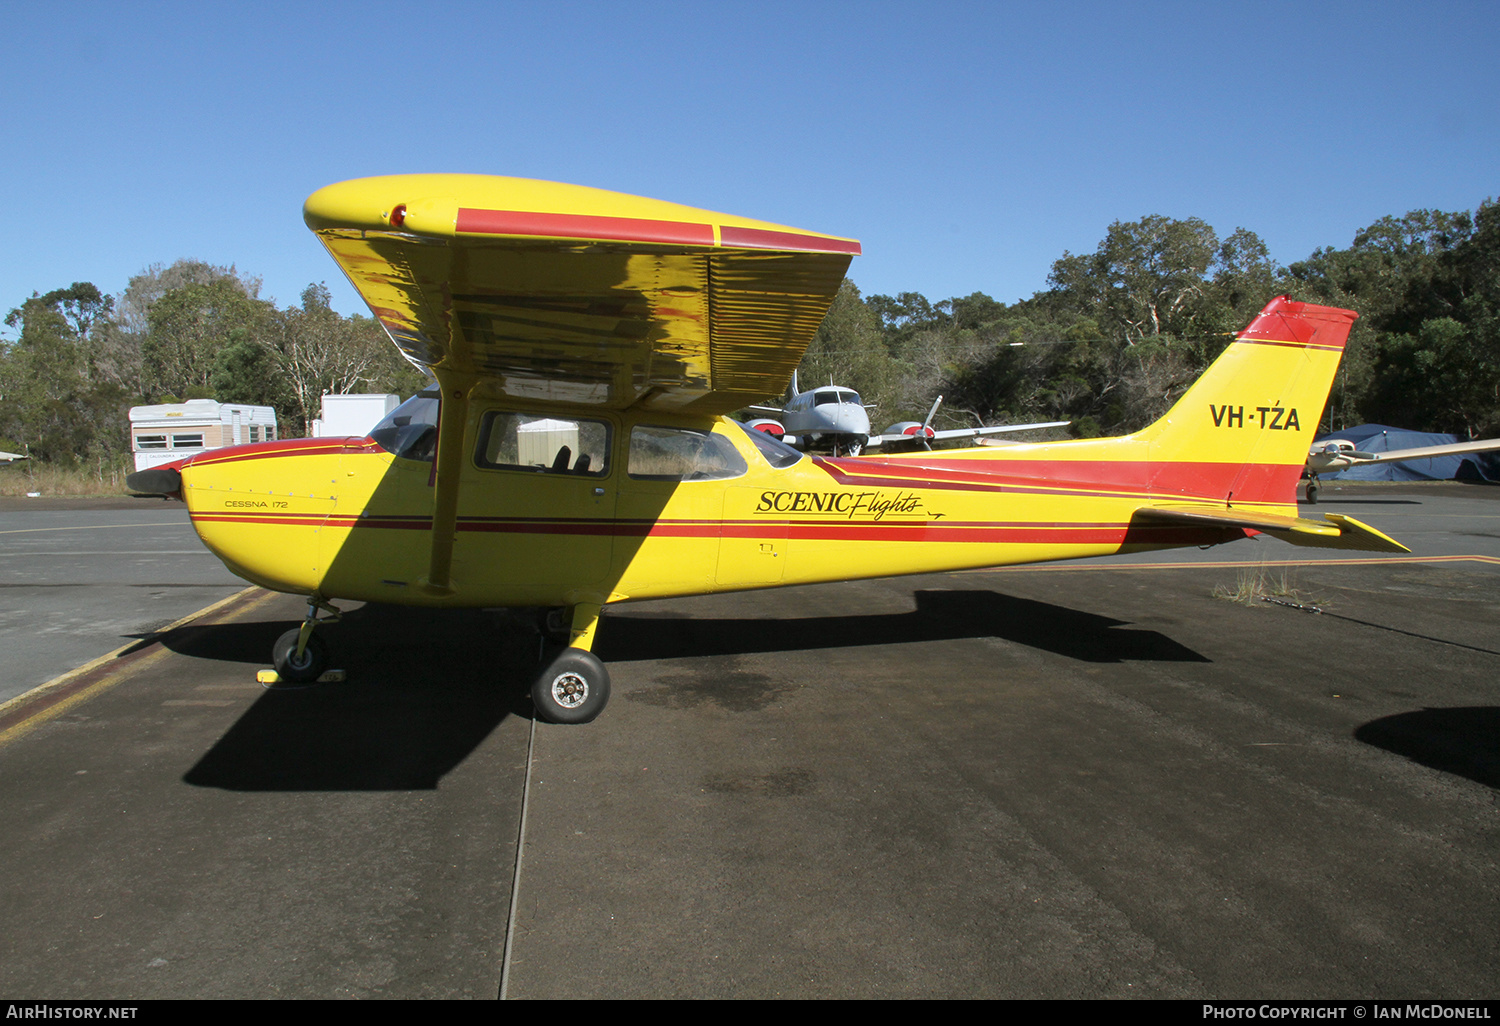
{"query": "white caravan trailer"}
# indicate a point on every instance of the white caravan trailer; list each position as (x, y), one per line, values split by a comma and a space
(174, 431)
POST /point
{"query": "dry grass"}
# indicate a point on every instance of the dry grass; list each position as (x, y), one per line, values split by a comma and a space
(1253, 587)
(101, 479)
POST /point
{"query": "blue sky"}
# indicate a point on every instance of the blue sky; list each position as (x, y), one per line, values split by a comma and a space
(967, 145)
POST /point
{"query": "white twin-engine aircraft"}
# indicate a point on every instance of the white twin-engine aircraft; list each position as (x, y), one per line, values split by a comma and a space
(834, 418)
(1335, 454)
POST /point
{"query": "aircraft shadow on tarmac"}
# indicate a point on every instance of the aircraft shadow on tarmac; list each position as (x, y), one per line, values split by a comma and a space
(1462, 741)
(939, 616)
(426, 686)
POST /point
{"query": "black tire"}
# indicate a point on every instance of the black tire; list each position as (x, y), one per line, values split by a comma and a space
(301, 671)
(1312, 492)
(573, 687)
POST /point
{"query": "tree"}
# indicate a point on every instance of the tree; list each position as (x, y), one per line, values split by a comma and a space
(189, 326)
(1148, 277)
(850, 349)
(1420, 355)
(49, 403)
(318, 351)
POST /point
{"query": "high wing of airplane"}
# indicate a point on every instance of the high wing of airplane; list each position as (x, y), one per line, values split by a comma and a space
(11, 457)
(1335, 454)
(834, 418)
(575, 452)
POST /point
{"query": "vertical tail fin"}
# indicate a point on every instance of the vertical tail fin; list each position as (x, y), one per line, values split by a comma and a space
(1257, 406)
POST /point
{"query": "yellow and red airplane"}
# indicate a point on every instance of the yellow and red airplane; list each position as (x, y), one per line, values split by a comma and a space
(575, 452)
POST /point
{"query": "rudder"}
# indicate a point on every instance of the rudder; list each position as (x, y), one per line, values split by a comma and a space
(1257, 406)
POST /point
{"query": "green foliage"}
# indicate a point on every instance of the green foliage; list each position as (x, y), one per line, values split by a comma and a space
(850, 350)
(190, 326)
(1112, 343)
(50, 404)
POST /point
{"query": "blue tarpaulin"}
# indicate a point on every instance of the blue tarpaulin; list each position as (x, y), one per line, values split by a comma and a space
(1378, 438)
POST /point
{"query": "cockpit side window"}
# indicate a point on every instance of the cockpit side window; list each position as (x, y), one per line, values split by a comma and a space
(410, 430)
(777, 453)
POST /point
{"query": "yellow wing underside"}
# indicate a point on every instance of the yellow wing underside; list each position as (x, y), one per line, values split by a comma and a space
(559, 293)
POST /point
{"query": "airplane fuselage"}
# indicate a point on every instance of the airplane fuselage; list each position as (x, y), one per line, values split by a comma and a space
(349, 518)
(827, 416)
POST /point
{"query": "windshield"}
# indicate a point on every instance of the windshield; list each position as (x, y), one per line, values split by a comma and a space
(777, 453)
(410, 430)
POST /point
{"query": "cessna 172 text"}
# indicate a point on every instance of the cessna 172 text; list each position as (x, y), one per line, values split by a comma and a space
(575, 451)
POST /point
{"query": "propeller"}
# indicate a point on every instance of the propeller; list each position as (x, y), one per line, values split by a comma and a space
(163, 481)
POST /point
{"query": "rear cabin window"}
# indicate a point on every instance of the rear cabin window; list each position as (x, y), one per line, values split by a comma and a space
(682, 454)
(547, 444)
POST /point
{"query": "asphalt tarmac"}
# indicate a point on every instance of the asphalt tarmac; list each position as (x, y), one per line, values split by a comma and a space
(81, 577)
(1062, 781)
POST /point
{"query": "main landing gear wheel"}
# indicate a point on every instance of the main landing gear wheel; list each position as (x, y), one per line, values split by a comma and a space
(572, 688)
(306, 669)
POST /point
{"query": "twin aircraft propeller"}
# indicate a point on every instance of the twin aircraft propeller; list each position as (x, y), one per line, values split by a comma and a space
(576, 451)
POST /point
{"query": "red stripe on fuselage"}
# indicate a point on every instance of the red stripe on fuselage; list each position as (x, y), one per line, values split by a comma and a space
(289, 447)
(1262, 482)
(985, 533)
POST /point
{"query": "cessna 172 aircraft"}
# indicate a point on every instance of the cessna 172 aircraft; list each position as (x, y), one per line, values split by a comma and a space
(575, 451)
(834, 417)
(1335, 454)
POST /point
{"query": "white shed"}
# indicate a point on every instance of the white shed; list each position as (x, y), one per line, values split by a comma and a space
(352, 414)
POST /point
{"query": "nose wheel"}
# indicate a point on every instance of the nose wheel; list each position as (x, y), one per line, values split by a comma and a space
(299, 655)
(299, 667)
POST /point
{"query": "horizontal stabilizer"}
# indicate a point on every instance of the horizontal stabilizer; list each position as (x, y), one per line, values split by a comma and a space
(1335, 531)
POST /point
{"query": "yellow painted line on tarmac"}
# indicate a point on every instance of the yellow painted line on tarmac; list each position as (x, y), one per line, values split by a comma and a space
(46, 702)
(1232, 564)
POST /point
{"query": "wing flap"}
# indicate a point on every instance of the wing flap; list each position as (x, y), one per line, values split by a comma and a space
(1334, 531)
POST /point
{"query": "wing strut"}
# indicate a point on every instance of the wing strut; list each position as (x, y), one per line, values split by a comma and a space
(452, 443)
